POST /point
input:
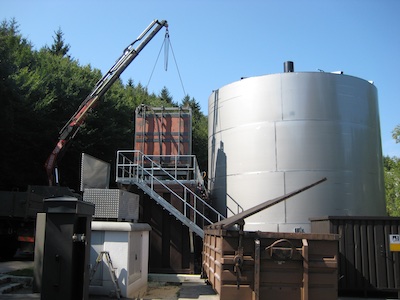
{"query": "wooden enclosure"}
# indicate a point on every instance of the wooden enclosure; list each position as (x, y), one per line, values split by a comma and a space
(271, 265)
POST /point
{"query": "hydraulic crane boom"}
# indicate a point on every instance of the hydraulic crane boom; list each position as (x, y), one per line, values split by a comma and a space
(70, 129)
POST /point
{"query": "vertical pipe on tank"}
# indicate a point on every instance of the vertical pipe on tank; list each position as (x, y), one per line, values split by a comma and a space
(288, 66)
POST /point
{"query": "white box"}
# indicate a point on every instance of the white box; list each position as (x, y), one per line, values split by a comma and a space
(128, 246)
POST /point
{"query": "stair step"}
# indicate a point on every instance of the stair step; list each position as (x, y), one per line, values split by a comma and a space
(4, 279)
(171, 209)
(148, 172)
(9, 284)
(10, 287)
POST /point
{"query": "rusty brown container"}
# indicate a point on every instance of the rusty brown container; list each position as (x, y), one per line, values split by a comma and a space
(163, 131)
(271, 265)
(366, 264)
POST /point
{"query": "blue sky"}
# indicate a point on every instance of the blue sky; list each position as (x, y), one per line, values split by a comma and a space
(218, 42)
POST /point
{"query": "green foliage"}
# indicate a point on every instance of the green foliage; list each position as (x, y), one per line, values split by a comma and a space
(166, 97)
(28, 272)
(16, 61)
(59, 47)
(200, 133)
(396, 134)
(41, 90)
(392, 185)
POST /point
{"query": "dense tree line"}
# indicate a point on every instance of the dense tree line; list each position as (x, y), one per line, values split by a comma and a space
(39, 92)
(41, 89)
(392, 179)
(392, 185)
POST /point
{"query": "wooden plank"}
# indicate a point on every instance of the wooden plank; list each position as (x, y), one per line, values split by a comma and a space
(230, 292)
(357, 254)
(313, 265)
(364, 255)
(342, 257)
(371, 253)
(349, 253)
(304, 289)
(389, 256)
(380, 258)
(257, 262)
(322, 279)
(324, 293)
(281, 292)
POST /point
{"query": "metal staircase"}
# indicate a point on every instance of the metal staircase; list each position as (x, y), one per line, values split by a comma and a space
(149, 172)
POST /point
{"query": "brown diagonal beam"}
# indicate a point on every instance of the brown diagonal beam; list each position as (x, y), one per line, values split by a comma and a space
(228, 222)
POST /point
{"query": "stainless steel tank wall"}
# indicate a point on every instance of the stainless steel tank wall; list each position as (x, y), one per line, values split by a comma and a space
(272, 134)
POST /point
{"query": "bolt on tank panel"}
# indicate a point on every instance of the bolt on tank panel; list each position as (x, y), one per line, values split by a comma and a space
(245, 102)
(256, 142)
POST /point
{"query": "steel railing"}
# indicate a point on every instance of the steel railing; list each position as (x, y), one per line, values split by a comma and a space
(149, 171)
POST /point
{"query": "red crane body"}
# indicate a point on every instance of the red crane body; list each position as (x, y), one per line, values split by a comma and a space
(70, 129)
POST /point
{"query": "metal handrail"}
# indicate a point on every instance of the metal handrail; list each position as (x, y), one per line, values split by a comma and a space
(239, 208)
(134, 166)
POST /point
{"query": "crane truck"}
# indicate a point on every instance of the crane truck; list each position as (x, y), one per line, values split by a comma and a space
(71, 128)
(18, 209)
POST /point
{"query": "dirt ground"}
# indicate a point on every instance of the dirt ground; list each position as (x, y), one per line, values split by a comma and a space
(162, 290)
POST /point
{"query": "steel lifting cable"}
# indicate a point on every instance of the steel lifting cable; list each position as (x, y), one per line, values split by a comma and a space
(167, 44)
(158, 56)
(179, 73)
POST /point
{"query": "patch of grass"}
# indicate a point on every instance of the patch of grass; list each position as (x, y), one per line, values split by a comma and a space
(23, 272)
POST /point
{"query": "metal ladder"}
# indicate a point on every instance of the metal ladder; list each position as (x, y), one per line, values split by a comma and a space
(111, 269)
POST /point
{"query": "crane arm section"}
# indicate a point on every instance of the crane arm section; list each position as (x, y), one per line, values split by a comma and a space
(70, 129)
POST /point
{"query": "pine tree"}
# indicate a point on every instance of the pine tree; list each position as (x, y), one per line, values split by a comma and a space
(59, 47)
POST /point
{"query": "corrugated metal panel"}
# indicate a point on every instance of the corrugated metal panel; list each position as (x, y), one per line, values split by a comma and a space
(366, 262)
(95, 173)
(113, 204)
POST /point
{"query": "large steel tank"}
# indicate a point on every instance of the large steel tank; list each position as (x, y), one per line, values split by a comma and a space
(271, 134)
